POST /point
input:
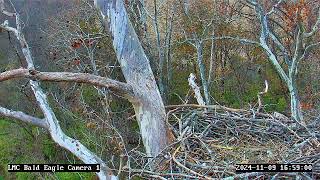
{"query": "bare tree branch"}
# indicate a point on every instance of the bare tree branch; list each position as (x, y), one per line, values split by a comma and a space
(23, 117)
(297, 54)
(117, 87)
(315, 28)
(241, 40)
(274, 8)
(281, 47)
(3, 10)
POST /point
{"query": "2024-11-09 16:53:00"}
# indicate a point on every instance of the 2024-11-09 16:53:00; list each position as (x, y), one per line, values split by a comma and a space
(241, 168)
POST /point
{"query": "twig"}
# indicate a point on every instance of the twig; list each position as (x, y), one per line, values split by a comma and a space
(184, 167)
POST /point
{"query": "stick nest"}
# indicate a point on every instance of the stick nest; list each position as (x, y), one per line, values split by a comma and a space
(207, 142)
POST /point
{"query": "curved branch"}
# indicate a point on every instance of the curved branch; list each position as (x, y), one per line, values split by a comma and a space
(4, 112)
(264, 34)
(241, 40)
(117, 87)
(3, 9)
(314, 28)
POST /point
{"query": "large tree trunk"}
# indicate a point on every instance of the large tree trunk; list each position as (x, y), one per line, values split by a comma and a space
(296, 112)
(150, 111)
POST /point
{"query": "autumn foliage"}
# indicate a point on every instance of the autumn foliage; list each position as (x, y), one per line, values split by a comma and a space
(76, 44)
(296, 12)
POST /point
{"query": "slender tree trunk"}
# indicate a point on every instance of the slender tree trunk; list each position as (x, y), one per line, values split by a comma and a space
(202, 70)
(222, 66)
(161, 81)
(149, 109)
(212, 61)
(168, 51)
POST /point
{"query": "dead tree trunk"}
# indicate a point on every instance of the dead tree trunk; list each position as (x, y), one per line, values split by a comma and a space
(150, 111)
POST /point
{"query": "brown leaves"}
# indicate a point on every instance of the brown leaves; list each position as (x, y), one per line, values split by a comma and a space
(306, 106)
(91, 125)
(76, 61)
(76, 43)
(296, 13)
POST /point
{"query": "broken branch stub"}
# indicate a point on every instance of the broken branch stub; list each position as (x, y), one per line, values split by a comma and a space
(196, 89)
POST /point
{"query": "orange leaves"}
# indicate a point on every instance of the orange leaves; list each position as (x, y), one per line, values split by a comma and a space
(193, 28)
(91, 125)
(296, 12)
(76, 44)
(287, 41)
(76, 61)
(306, 106)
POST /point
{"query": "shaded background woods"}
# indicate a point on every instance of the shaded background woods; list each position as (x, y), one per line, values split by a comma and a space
(68, 36)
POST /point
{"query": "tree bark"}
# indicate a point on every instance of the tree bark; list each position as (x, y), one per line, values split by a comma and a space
(119, 88)
(149, 109)
(196, 89)
(199, 46)
(296, 112)
(168, 51)
(23, 117)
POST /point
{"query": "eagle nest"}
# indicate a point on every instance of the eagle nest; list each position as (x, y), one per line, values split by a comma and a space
(208, 142)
